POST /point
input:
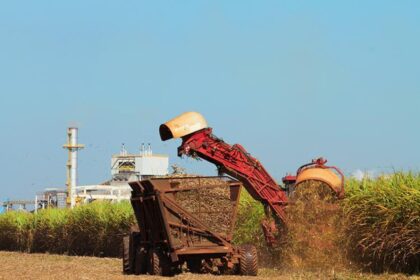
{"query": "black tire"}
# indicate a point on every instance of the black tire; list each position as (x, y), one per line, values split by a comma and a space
(140, 261)
(194, 265)
(248, 262)
(127, 255)
(159, 264)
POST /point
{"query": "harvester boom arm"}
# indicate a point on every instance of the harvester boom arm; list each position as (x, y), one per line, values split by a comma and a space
(235, 161)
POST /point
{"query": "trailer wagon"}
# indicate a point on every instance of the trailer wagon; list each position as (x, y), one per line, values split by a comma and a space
(186, 222)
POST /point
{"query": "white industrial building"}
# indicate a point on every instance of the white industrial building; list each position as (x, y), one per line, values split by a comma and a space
(125, 167)
(131, 167)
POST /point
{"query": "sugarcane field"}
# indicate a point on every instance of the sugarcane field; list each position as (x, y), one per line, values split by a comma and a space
(210, 140)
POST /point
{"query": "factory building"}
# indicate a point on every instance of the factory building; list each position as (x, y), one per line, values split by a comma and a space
(131, 167)
(51, 198)
(125, 167)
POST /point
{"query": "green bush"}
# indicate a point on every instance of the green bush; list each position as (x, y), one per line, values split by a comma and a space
(97, 228)
(382, 222)
(94, 229)
(248, 225)
(15, 231)
(48, 231)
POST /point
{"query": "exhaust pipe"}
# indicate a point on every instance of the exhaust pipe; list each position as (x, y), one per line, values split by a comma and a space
(182, 125)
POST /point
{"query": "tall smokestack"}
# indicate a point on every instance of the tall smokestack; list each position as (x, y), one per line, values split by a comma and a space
(73, 147)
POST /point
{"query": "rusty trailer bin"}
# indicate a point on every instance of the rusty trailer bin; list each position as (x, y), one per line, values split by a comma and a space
(186, 220)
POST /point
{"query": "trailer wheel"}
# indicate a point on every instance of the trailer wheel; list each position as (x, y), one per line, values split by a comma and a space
(248, 262)
(127, 255)
(159, 264)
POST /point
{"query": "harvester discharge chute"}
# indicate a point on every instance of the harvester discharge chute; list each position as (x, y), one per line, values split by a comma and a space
(199, 141)
(182, 125)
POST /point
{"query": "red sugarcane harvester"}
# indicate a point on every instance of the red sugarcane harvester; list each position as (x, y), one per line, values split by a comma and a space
(199, 141)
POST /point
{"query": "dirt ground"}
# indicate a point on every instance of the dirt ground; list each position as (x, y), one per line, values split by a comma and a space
(44, 266)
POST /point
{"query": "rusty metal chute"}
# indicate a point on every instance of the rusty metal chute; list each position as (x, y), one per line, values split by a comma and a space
(182, 125)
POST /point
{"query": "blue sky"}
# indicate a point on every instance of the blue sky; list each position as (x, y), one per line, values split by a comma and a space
(289, 80)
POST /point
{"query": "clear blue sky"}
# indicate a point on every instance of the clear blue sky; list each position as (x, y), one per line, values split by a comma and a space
(289, 80)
